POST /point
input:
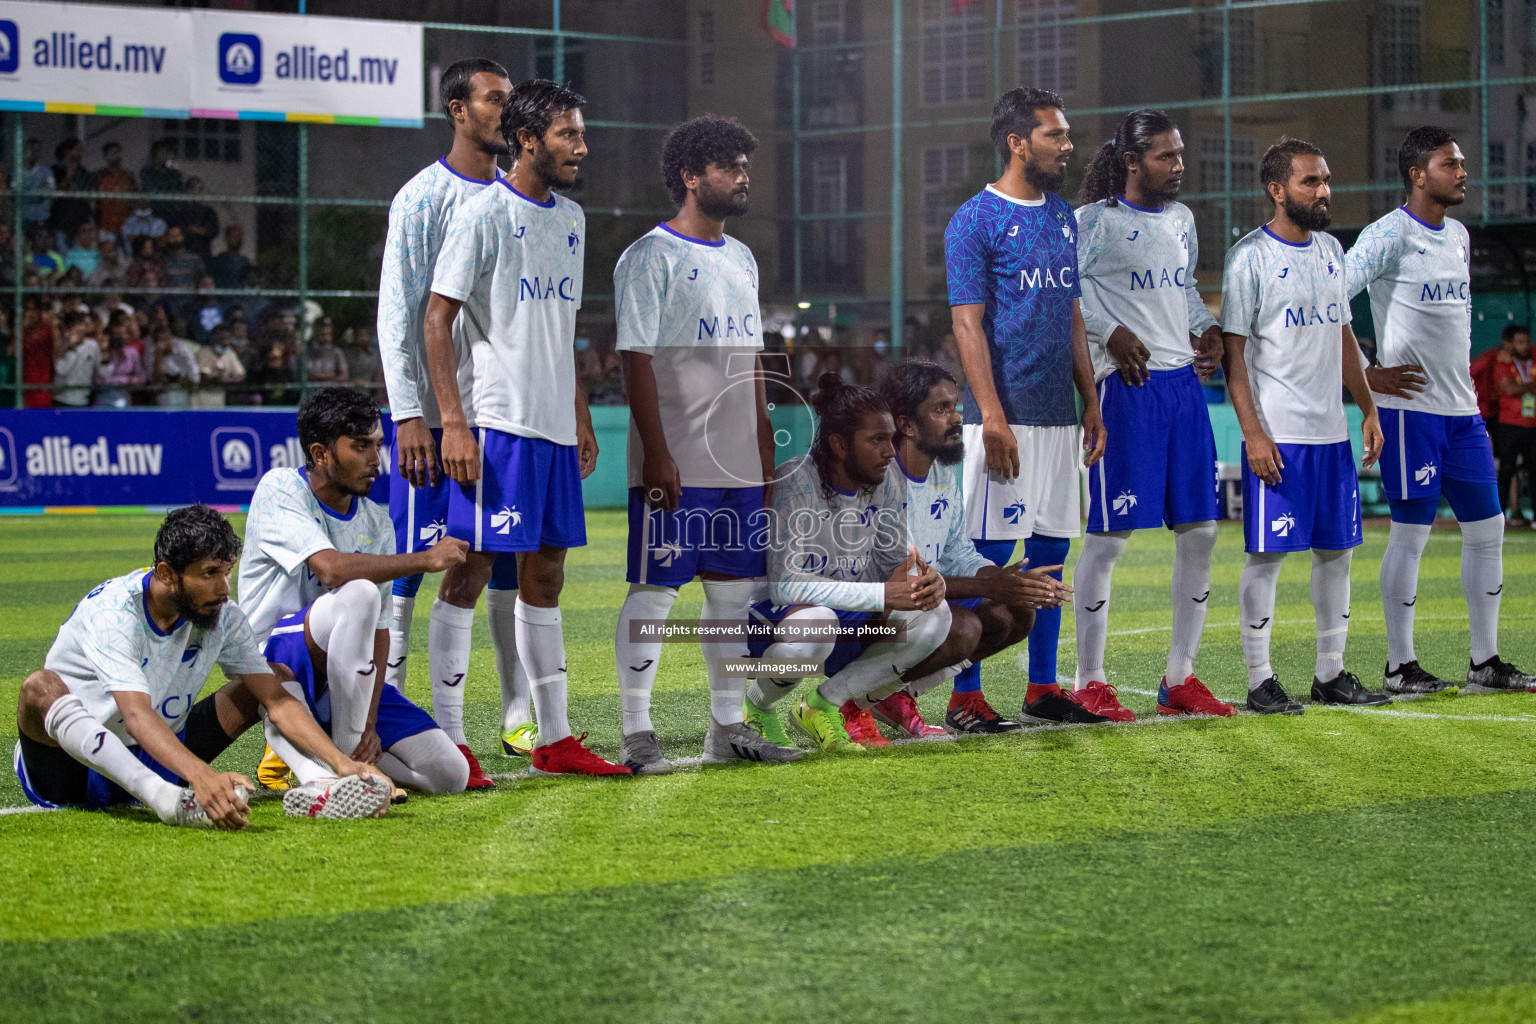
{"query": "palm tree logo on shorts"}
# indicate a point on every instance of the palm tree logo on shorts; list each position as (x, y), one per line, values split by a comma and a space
(508, 517)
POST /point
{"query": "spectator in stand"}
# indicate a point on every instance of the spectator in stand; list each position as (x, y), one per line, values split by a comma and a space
(1517, 421)
(1484, 375)
(85, 250)
(197, 220)
(122, 363)
(173, 368)
(327, 362)
(71, 278)
(274, 377)
(220, 367)
(208, 314)
(111, 271)
(363, 358)
(7, 254)
(114, 178)
(7, 360)
(39, 327)
(254, 306)
(36, 177)
(229, 267)
(45, 259)
(76, 355)
(179, 266)
(142, 224)
(68, 176)
(161, 175)
(144, 271)
(111, 308)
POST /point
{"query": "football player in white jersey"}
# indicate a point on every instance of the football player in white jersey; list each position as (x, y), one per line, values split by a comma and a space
(1415, 264)
(1289, 355)
(319, 561)
(839, 561)
(511, 268)
(1153, 341)
(996, 605)
(473, 93)
(114, 713)
(700, 445)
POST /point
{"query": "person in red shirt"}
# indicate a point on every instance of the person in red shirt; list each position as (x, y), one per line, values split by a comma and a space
(38, 329)
(114, 177)
(1517, 418)
(1482, 377)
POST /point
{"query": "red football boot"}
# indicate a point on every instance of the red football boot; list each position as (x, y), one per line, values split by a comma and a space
(861, 726)
(477, 777)
(570, 757)
(1102, 699)
(899, 711)
(1190, 698)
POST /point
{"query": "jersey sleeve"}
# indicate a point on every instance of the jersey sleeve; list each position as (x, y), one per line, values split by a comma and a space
(581, 264)
(467, 254)
(1076, 290)
(1376, 252)
(960, 555)
(286, 529)
(1239, 294)
(966, 253)
(382, 542)
(798, 553)
(112, 645)
(403, 281)
(1200, 318)
(1090, 236)
(239, 653)
(639, 289)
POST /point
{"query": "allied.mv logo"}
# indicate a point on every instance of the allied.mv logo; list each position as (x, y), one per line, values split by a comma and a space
(1425, 474)
(236, 455)
(10, 48)
(239, 58)
(938, 508)
(1283, 525)
(503, 521)
(1124, 503)
(1013, 513)
(433, 532)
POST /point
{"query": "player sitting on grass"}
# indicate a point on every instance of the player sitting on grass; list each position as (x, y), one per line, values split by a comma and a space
(700, 446)
(838, 556)
(923, 399)
(114, 713)
(1289, 355)
(314, 584)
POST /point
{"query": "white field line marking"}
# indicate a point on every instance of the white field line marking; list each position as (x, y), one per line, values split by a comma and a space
(1072, 641)
(1431, 714)
(26, 809)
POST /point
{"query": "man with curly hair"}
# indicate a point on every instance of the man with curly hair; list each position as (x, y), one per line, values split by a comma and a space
(690, 332)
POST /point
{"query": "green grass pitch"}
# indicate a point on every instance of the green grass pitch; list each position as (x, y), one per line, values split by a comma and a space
(1369, 866)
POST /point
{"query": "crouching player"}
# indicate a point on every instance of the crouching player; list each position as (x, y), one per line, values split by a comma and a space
(313, 586)
(839, 559)
(114, 714)
(997, 605)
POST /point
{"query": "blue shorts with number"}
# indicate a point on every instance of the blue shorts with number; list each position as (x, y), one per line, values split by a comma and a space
(1159, 466)
(1424, 451)
(528, 495)
(1317, 504)
(420, 514)
(846, 649)
(714, 529)
(398, 718)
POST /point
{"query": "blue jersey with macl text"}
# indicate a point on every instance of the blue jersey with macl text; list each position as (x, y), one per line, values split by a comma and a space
(1019, 259)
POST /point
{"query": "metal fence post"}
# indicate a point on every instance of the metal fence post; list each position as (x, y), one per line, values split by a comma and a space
(17, 254)
(898, 221)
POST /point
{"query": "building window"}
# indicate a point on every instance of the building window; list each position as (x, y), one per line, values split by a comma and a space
(706, 48)
(955, 45)
(945, 171)
(1208, 52)
(208, 139)
(829, 22)
(1495, 31)
(1047, 52)
(1496, 170)
(1402, 42)
(1530, 173)
(829, 195)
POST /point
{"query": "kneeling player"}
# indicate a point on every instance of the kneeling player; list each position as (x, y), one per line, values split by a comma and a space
(996, 604)
(114, 713)
(839, 559)
(1289, 355)
(313, 586)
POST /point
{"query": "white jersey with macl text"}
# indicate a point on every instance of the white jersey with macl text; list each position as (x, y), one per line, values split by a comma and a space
(516, 265)
(1137, 269)
(1419, 280)
(1289, 301)
(837, 554)
(691, 306)
(109, 644)
(287, 524)
(936, 518)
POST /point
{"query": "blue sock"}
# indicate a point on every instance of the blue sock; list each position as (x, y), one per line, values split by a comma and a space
(1047, 632)
(406, 586)
(999, 552)
(969, 681)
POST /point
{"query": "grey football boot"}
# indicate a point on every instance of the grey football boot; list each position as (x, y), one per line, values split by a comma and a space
(1498, 674)
(738, 741)
(641, 753)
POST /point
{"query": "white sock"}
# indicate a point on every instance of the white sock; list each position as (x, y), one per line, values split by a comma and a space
(918, 687)
(1256, 612)
(726, 600)
(541, 646)
(401, 611)
(765, 691)
(305, 768)
(501, 616)
(428, 761)
(342, 623)
(449, 635)
(1330, 604)
(637, 662)
(1192, 547)
(881, 664)
(72, 727)
(1400, 587)
(1482, 580)
(1090, 600)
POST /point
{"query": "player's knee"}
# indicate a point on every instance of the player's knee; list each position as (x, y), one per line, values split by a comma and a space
(359, 598)
(1022, 620)
(445, 772)
(1201, 536)
(820, 622)
(927, 630)
(40, 690)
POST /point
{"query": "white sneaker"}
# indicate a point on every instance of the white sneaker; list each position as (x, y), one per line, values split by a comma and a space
(350, 797)
(186, 812)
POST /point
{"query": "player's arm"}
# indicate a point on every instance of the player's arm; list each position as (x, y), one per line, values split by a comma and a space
(333, 568)
(658, 473)
(403, 279)
(996, 434)
(767, 450)
(1354, 379)
(1263, 454)
(1375, 252)
(586, 437)
(1126, 352)
(291, 718)
(968, 574)
(215, 791)
(369, 748)
(1204, 330)
(461, 452)
(1094, 435)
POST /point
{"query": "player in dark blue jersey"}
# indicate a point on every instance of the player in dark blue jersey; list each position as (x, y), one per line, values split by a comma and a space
(1010, 254)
